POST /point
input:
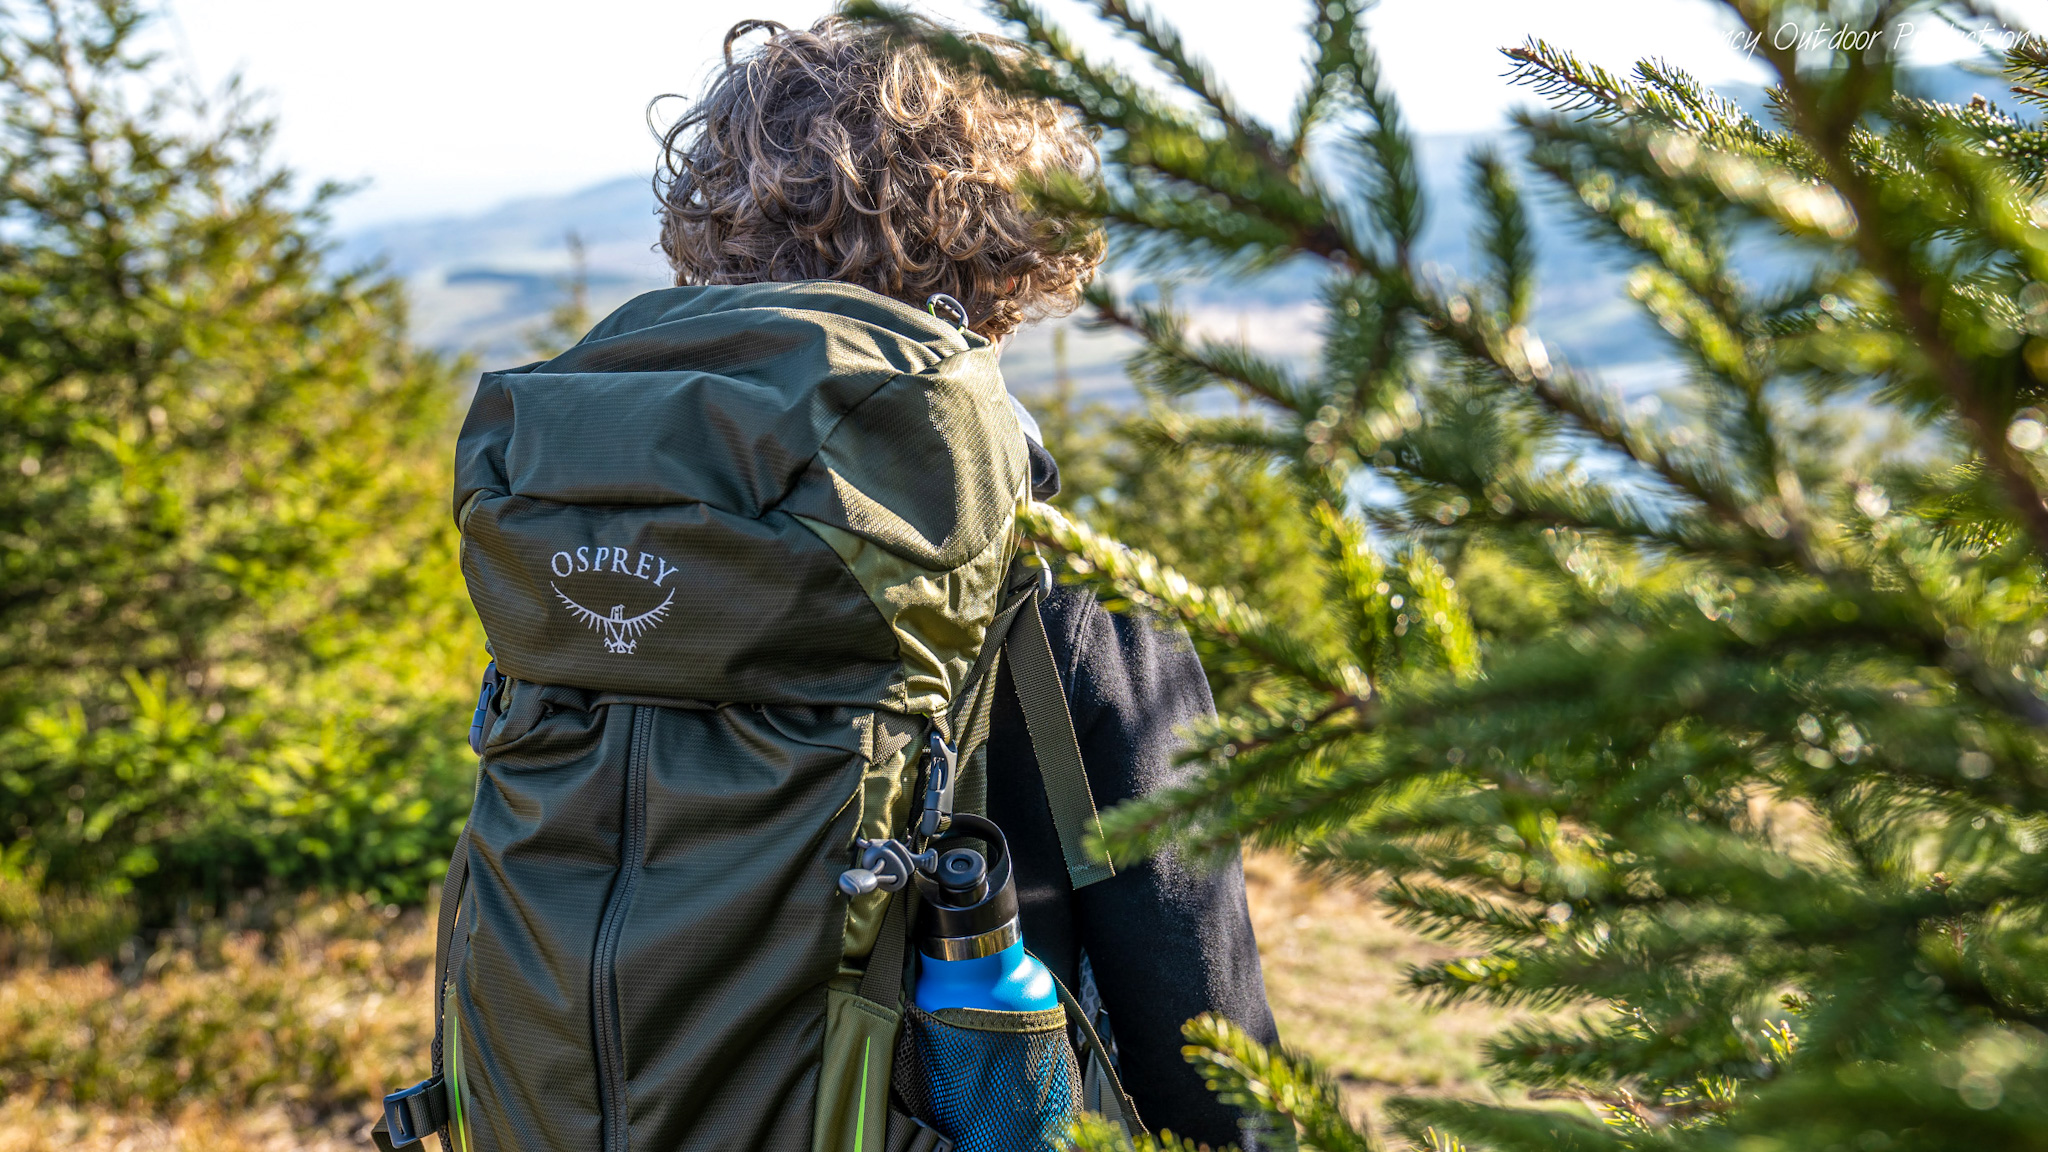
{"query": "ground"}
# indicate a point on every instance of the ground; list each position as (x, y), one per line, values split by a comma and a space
(210, 1045)
(1335, 967)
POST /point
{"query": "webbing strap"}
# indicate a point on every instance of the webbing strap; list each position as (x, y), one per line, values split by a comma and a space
(1058, 750)
(1098, 1054)
(883, 982)
(412, 1113)
(444, 929)
(973, 727)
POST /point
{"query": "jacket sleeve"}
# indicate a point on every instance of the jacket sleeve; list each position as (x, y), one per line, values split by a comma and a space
(1166, 940)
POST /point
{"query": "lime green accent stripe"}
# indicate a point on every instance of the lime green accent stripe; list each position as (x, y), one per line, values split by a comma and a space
(454, 1052)
(860, 1122)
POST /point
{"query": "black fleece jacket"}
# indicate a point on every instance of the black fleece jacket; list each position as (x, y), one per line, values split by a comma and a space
(1165, 940)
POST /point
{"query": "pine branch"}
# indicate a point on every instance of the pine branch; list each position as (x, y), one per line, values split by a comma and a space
(1911, 293)
(1288, 1089)
(1163, 43)
(1170, 361)
(1216, 613)
(1335, 30)
(1237, 764)
(1504, 234)
(1442, 613)
(1505, 1129)
(1658, 95)
(1356, 578)
(1393, 180)
(1520, 357)
(1250, 438)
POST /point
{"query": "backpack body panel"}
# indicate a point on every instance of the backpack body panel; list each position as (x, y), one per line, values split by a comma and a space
(737, 552)
(735, 927)
(544, 852)
(653, 922)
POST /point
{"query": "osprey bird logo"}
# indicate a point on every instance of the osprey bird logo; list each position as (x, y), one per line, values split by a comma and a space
(620, 631)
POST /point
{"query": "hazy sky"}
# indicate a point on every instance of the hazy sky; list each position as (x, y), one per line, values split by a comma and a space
(449, 106)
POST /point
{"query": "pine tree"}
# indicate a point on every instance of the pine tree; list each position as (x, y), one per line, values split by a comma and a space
(1226, 521)
(1717, 726)
(228, 604)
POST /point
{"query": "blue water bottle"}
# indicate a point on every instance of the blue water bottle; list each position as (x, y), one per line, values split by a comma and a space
(971, 950)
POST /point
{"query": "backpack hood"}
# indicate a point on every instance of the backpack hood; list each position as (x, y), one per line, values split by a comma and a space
(663, 329)
(813, 485)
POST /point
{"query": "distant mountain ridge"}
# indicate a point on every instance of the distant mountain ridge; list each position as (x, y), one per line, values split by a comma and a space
(484, 283)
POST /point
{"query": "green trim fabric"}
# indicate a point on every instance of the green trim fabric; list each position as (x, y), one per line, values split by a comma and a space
(892, 743)
(989, 1020)
(939, 616)
(854, 1070)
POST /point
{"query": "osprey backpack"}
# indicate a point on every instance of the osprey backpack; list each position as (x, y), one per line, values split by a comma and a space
(747, 558)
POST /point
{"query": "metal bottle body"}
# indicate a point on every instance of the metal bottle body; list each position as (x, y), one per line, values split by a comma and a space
(1011, 980)
(970, 949)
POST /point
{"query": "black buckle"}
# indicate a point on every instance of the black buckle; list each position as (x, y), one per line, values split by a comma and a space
(486, 695)
(941, 768)
(407, 1126)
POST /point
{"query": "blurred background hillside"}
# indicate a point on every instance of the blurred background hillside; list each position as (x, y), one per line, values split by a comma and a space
(483, 282)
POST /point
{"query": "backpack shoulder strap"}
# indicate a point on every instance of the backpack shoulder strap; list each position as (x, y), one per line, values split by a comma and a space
(1051, 726)
(1019, 629)
(1125, 1114)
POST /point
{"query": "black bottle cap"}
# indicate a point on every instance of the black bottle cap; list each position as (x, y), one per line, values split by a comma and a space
(973, 900)
(963, 878)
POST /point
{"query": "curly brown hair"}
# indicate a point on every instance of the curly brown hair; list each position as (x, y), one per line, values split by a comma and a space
(844, 153)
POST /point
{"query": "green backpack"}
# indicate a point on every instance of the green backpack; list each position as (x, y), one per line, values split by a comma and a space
(746, 557)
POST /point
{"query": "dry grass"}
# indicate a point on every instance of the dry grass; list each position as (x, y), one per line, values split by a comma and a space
(221, 1040)
(1334, 968)
(29, 1125)
(234, 1040)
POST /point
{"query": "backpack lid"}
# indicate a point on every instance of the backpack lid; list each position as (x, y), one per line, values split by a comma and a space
(766, 493)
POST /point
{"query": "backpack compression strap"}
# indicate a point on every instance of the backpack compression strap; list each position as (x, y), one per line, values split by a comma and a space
(1113, 1094)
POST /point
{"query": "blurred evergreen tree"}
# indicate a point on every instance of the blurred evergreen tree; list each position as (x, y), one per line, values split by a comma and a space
(1721, 719)
(232, 635)
(570, 318)
(1217, 518)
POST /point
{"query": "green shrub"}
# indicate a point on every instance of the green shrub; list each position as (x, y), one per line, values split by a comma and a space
(233, 646)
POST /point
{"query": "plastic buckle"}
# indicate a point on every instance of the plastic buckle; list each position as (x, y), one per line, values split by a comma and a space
(486, 695)
(398, 1113)
(938, 300)
(942, 766)
(887, 865)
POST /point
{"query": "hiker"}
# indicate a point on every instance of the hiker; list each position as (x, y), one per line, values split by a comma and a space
(764, 648)
(829, 154)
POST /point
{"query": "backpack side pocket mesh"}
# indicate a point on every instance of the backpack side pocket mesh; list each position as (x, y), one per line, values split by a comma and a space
(991, 1081)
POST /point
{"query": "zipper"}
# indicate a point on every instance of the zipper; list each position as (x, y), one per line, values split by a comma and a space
(604, 976)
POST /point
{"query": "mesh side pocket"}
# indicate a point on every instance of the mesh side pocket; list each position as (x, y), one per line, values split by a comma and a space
(990, 1081)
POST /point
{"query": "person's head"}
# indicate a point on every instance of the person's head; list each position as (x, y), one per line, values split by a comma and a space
(839, 153)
